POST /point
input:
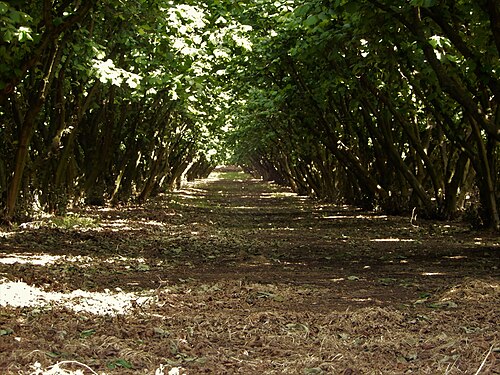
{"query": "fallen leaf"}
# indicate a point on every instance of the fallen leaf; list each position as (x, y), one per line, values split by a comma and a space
(443, 304)
(5, 332)
(87, 333)
(387, 281)
(119, 363)
(143, 267)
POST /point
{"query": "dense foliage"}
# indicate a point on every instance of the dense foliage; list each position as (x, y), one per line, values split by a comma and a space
(390, 104)
(106, 100)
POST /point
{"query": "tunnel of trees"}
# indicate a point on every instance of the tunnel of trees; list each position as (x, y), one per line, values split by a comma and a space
(384, 104)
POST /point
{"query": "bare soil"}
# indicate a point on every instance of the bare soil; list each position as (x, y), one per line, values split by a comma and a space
(232, 275)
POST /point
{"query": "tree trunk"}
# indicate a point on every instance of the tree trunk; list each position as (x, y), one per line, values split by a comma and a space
(27, 129)
(486, 182)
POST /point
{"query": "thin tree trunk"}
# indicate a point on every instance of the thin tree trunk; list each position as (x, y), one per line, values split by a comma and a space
(487, 187)
(26, 132)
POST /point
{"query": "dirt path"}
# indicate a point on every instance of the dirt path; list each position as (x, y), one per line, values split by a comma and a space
(231, 275)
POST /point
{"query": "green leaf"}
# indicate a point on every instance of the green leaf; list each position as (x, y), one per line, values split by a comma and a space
(87, 333)
(311, 20)
(143, 267)
(443, 304)
(3, 7)
(8, 36)
(5, 332)
(302, 10)
(15, 16)
(387, 281)
(24, 34)
(119, 363)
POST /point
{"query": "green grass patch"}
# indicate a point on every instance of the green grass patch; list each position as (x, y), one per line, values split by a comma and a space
(234, 176)
(72, 221)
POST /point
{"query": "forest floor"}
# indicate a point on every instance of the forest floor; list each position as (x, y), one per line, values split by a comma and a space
(232, 275)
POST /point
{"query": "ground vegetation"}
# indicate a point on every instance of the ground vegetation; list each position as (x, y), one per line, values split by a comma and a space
(231, 275)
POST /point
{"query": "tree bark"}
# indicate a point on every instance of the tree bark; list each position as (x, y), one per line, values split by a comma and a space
(36, 102)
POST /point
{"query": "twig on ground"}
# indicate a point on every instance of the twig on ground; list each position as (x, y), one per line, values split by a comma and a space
(484, 361)
(413, 217)
(58, 364)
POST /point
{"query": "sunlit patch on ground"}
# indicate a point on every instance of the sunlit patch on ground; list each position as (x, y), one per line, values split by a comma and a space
(46, 259)
(392, 240)
(20, 294)
(355, 217)
(35, 259)
(277, 195)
